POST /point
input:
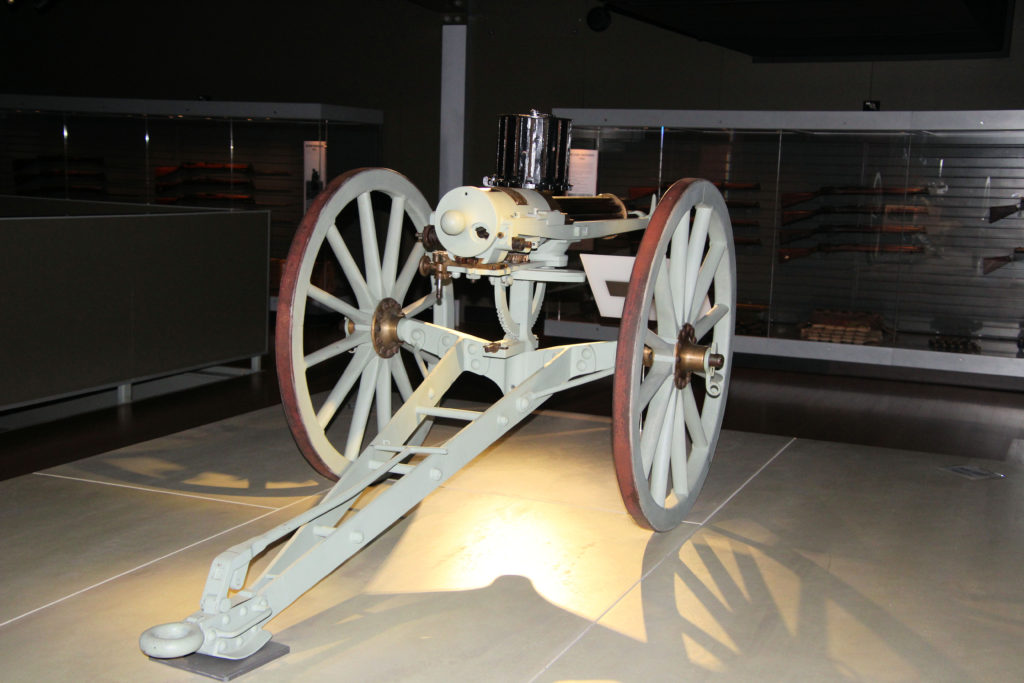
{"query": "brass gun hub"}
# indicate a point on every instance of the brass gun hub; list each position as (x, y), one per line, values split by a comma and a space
(691, 357)
(384, 328)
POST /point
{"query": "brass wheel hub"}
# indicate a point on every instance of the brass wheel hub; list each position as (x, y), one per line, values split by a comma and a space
(384, 328)
(690, 357)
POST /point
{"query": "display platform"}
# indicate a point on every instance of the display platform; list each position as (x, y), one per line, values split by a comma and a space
(802, 560)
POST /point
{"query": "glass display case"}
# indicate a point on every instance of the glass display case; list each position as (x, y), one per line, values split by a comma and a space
(888, 238)
(229, 155)
(146, 234)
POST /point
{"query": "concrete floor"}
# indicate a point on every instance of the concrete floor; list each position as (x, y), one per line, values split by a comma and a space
(802, 560)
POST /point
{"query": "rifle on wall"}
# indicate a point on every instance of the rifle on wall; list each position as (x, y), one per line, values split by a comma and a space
(888, 210)
(793, 198)
(742, 204)
(991, 263)
(997, 213)
(648, 190)
(789, 254)
(787, 236)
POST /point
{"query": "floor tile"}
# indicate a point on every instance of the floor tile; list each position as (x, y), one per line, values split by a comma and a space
(833, 562)
(60, 536)
(470, 587)
(250, 458)
(836, 562)
(567, 458)
(738, 457)
(93, 636)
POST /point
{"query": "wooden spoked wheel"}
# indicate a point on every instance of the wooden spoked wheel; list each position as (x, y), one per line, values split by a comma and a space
(352, 263)
(672, 374)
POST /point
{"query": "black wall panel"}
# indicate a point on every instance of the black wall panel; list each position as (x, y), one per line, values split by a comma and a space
(98, 300)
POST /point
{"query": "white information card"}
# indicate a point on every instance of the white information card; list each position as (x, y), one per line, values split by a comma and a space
(583, 172)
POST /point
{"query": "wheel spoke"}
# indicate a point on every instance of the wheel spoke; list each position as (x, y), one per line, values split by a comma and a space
(383, 395)
(371, 253)
(659, 471)
(693, 423)
(709, 320)
(392, 242)
(349, 268)
(664, 307)
(660, 373)
(694, 255)
(418, 306)
(420, 363)
(337, 305)
(659, 345)
(677, 263)
(361, 410)
(409, 270)
(706, 277)
(401, 376)
(653, 425)
(335, 349)
(680, 478)
(343, 386)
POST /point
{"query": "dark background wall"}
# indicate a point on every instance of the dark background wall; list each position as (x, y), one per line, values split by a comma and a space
(533, 53)
(385, 54)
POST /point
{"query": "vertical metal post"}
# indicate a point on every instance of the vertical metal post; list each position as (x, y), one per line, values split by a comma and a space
(124, 394)
(453, 106)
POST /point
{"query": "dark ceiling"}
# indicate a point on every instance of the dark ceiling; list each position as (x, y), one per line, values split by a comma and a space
(805, 30)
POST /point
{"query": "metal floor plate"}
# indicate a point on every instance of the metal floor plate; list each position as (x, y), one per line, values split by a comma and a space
(226, 669)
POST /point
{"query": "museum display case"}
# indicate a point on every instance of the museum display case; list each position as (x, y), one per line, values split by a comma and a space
(146, 235)
(227, 155)
(895, 233)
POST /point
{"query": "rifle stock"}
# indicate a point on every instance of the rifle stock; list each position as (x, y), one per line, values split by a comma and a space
(997, 213)
(742, 204)
(648, 190)
(887, 210)
(789, 254)
(794, 198)
(787, 236)
(991, 263)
